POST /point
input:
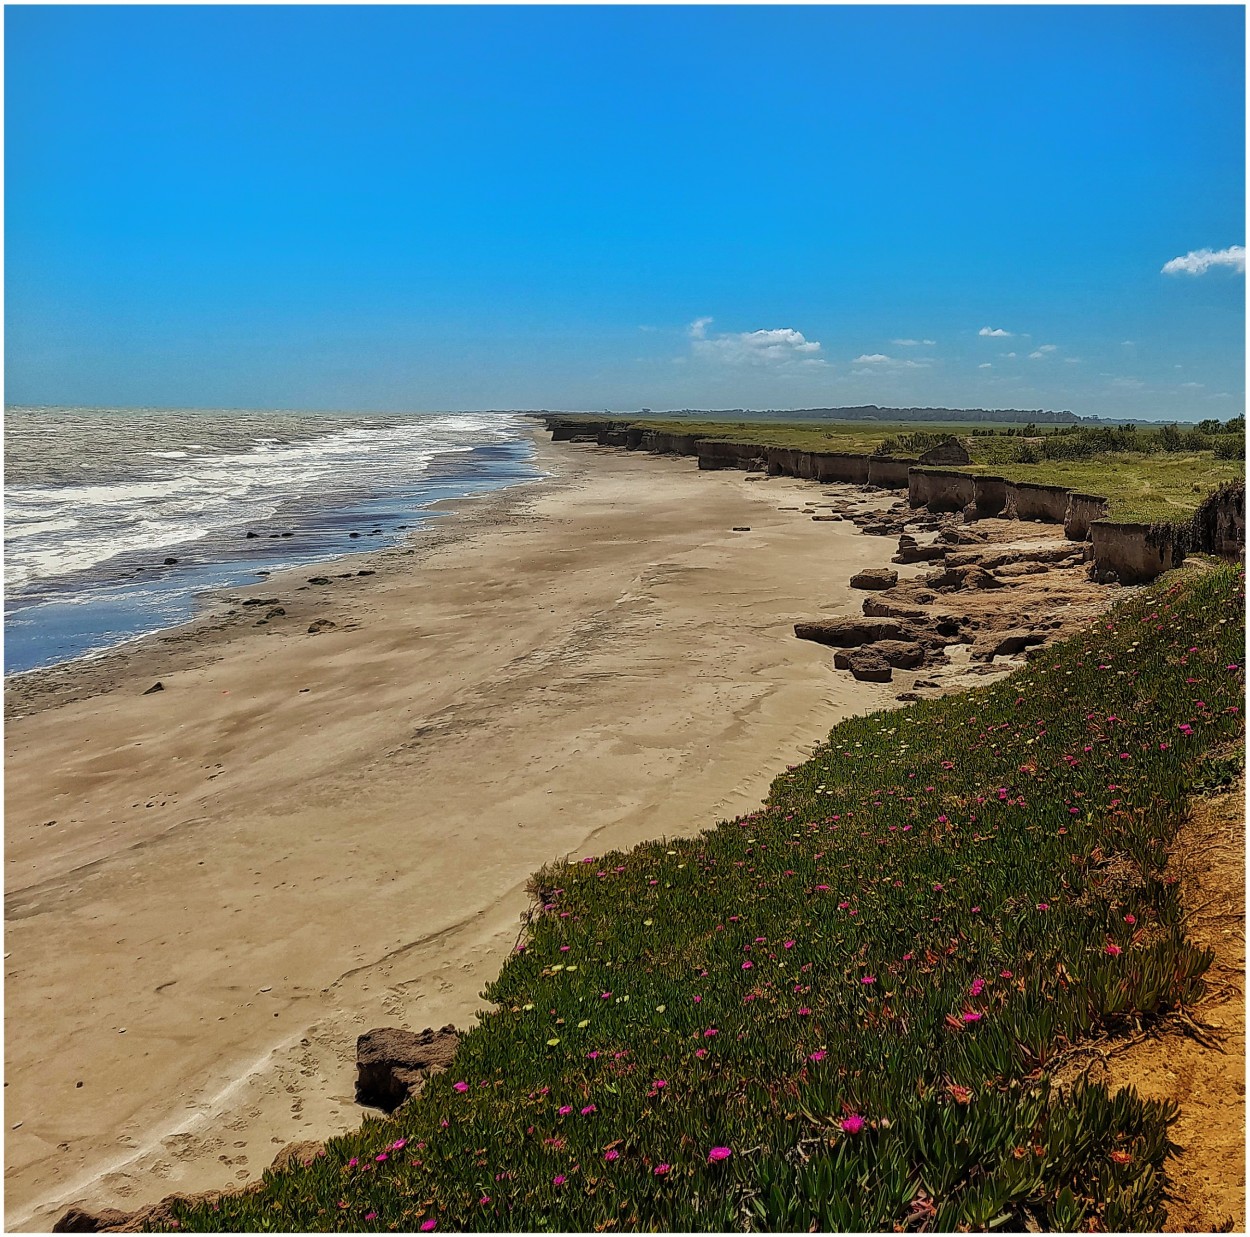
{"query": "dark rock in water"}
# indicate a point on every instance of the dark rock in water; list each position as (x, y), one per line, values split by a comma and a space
(273, 536)
(288, 534)
(169, 562)
(353, 534)
(874, 578)
(321, 625)
(156, 687)
(249, 535)
(392, 1064)
(318, 579)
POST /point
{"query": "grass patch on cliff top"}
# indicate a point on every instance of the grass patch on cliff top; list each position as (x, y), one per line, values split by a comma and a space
(841, 1012)
(1139, 488)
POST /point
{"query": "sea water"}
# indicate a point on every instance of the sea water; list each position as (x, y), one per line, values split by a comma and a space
(97, 499)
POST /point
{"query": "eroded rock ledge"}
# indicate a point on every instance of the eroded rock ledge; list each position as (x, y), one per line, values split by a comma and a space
(1128, 553)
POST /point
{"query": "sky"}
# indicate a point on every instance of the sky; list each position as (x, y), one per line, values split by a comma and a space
(418, 208)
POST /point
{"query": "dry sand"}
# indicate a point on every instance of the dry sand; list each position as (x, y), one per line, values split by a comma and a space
(211, 890)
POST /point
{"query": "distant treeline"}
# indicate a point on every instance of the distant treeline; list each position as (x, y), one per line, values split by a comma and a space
(872, 412)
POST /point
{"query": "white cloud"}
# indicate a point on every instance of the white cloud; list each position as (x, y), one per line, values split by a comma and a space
(1128, 384)
(1072, 360)
(1128, 343)
(985, 365)
(1043, 351)
(995, 332)
(914, 343)
(881, 361)
(779, 346)
(1193, 386)
(1199, 261)
(1010, 355)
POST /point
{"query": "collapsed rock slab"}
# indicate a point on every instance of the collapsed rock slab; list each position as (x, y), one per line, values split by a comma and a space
(952, 579)
(899, 654)
(874, 578)
(1005, 643)
(869, 667)
(849, 633)
(391, 1063)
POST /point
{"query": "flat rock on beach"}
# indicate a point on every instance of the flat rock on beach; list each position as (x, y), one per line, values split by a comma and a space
(214, 889)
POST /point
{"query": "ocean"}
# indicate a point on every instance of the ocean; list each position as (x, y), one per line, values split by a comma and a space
(97, 500)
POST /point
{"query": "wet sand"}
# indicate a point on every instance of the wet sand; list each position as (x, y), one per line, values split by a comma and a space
(213, 889)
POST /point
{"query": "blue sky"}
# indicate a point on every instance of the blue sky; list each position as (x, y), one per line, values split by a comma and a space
(396, 208)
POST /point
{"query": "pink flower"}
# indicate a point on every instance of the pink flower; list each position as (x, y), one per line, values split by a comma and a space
(484, 1200)
(789, 945)
(1114, 950)
(804, 1011)
(605, 996)
(1005, 975)
(978, 986)
(1130, 919)
(659, 1082)
(558, 1180)
(462, 1087)
(868, 979)
(852, 1124)
(352, 1162)
(592, 1056)
(381, 1157)
(700, 1053)
(971, 1015)
(746, 966)
(660, 1170)
(588, 1110)
(710, 1032)
(611, 1155)
(818, 1055)
(1043, 906)
(371, 1215)
(565, 1110)
(717, 1154)
(429, 1226)
(398, 1144)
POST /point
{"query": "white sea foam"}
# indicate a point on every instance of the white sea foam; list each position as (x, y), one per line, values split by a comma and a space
(180, 492)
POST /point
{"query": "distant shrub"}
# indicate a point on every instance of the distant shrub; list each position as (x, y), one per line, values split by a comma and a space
(1229, 446)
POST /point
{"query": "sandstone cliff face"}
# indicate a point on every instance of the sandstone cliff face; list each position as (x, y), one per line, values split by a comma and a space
(1133, 553)
(1026, 501)
(1130, 553)
(1082, 511)
(939, 489)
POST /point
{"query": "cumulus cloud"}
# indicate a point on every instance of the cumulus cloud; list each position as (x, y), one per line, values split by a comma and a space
(880, 361)
(1043, 351)
(780, 346)
(1199, 261)
(985, 365)
(914, 343)
(995, 332)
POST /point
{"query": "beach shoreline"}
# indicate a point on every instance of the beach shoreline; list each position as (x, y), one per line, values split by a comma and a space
(305, 836)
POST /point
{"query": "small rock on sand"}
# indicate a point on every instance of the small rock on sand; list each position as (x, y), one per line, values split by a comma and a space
(156, 687)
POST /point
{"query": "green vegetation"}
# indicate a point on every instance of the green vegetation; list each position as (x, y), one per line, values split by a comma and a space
(844, 1010)
(1147, 475)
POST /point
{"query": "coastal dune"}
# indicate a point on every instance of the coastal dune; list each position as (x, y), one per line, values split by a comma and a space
(214, 888)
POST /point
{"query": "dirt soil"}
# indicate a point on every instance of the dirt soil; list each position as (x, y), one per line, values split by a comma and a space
(1199, 1058)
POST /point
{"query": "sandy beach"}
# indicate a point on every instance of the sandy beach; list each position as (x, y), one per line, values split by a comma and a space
(213, 889)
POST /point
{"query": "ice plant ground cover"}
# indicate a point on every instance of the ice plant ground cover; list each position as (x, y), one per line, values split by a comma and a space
(840, 1011)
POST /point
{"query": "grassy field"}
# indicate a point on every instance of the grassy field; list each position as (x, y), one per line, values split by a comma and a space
(1148, 486)
(842, 1011)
